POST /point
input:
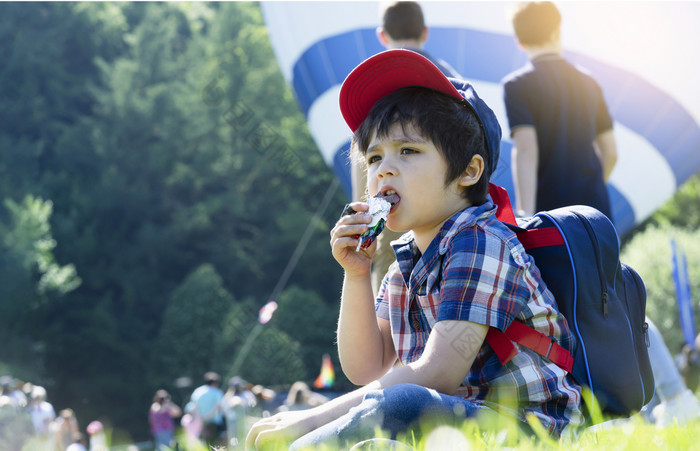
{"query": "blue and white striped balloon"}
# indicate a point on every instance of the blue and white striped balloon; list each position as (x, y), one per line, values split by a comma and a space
(643, 54)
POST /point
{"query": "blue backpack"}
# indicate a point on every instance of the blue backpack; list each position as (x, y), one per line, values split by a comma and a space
(603, 300)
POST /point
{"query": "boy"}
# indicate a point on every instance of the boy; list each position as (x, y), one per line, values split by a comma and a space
(431, 143)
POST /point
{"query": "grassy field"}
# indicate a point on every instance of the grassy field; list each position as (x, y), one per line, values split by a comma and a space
(633, 434)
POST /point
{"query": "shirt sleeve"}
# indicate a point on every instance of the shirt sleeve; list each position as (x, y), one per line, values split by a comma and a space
(517, 109)
(481, 281)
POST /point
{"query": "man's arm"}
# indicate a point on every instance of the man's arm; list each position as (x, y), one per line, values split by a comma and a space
(524, 159)
(606, 149)
(447, 358)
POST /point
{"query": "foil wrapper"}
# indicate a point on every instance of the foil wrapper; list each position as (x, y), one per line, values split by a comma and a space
(379, 210)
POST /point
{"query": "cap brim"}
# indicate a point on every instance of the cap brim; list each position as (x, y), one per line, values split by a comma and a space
(383, 74)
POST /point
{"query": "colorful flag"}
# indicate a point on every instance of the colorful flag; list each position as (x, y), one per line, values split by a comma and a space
(326, 377)
(683, 297)
(266, 312)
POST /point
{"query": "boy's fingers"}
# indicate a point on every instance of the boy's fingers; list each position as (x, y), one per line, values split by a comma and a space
(351, 229)
(358, 218)
(343, 242)
(359, 206)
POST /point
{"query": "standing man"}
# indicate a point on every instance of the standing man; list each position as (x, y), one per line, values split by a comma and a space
(563, 153)
(563, 144)
(403, 27)
(205, 404)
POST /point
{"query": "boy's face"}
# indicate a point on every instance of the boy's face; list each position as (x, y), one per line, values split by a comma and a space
(405, 162)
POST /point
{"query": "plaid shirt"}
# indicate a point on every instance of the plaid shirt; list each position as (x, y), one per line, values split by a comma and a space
(476, 270)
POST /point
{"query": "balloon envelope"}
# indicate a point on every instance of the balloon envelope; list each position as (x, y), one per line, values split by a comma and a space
(641, 53)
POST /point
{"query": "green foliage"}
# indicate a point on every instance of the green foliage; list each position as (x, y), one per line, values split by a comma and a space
(28, 237)
(175, 160)
(271, 357)
(683, 210)
(30, 278)
(649, 253)
(192, 324)
(304, 316)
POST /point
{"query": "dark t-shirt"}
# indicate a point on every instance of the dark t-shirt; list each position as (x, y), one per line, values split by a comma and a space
(567, 109)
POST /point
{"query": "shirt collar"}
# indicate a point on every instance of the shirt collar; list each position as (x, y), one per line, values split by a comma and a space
(415, 267)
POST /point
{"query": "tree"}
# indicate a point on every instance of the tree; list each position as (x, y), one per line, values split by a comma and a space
(30, 278)
(168, 143)
(275, 357)
(683, 210)
(649, 253)
(192, 323)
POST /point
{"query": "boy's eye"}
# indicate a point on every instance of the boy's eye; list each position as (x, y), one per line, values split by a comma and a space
(407, 151)
(373, 159)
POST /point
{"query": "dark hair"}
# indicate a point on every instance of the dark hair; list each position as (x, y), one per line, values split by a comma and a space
(211, 377)
(690, 365)
(449, 124)
(403, 20)
(161, 396)
(534, 22)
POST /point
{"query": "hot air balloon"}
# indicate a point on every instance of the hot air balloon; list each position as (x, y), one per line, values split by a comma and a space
(641, 53)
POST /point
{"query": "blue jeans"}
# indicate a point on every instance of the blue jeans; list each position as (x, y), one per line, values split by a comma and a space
(668, 381)
(394, 410)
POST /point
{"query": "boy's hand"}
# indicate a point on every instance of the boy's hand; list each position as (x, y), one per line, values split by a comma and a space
(281, 428)
(344, 241)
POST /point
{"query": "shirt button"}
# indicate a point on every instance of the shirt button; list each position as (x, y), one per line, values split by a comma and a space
(416, 324)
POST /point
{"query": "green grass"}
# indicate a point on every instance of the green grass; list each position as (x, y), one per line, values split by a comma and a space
(633, 434)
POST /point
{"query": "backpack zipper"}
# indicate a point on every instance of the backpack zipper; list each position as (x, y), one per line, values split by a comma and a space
(599, 264)
(645, 327)
(640, 289)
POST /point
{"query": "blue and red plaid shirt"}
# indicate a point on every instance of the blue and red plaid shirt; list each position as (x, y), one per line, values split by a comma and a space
(476, 270)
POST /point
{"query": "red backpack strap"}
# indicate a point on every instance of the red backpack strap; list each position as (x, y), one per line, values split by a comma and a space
(499, 195)
(502, 342)
(502, 345)
(546, 236)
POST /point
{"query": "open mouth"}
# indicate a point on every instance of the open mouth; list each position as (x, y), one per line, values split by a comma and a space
(390, 196)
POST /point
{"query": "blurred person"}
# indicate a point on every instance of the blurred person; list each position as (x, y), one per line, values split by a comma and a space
(98, 439)
(5, 392)
(301, 397)
(205, 403)
(265, 398)
(192, 426)
(564, 148)
(42, 414)
(65, 428)
(161, 419)
(689, 364)
(673, 402)
(79, 443)
(402, 27)
(10, 388)
(236, 405)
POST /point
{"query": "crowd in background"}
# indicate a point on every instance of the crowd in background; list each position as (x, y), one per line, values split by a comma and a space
(27, 414)
(221, 419)
(210, 416)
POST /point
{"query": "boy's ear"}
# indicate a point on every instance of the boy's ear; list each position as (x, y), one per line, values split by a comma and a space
(474, 171)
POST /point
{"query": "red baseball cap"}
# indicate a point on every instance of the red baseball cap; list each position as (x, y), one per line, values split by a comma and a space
(385, 72)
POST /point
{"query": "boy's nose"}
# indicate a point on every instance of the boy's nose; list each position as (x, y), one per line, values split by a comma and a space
(387, 167)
